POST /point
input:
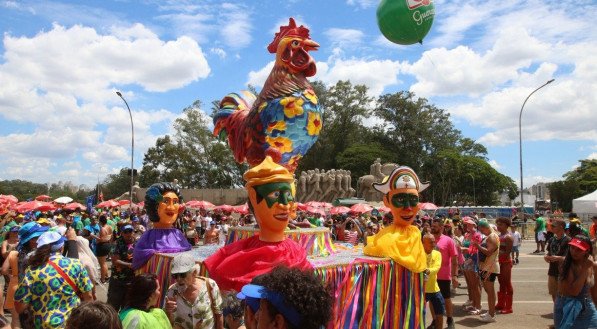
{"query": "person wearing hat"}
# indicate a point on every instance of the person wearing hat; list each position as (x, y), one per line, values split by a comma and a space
(122, 273)
(488, 266)
(290, 298)
(53, 284)
(574, 307)
(271, 191)
(470, 266)
(193, 302)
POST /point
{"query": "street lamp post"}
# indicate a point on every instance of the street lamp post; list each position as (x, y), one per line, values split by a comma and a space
(132, 155)
(520, 145)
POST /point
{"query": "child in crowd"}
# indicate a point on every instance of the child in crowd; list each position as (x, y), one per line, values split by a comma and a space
(516, 244)
(432, 292)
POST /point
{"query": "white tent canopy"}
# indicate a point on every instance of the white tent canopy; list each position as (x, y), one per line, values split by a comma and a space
(585, 205)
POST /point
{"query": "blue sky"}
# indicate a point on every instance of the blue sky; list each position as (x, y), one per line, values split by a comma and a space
(61, 63)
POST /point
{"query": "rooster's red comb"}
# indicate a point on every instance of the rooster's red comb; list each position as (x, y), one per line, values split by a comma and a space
(286, 31)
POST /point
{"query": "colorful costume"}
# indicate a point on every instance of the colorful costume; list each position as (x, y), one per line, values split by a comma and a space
(163, 240)
(236, 264)
(271, 195)
(400, 241)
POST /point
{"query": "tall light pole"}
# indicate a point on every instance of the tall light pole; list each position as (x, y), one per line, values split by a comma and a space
(132, 155)
(474, 194)
(520, 145)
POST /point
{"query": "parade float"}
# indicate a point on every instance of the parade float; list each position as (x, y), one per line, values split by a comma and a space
(380, 286)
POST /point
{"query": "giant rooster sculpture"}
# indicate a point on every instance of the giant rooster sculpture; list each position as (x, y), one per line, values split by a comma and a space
(284, 120)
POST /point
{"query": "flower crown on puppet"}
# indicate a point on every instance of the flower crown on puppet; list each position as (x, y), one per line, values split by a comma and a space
(155, 194)
(401, 178)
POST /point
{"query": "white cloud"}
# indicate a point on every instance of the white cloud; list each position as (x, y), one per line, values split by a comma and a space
(219, 52)
(486, 82)
(376, 74)
(345, 38)
(494, 164)
(257, 78)
(362, 3)
(592, 156)
(60, 82)
(194, 25)
(235, 25)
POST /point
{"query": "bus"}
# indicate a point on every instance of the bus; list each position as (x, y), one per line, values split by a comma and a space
(491, 212)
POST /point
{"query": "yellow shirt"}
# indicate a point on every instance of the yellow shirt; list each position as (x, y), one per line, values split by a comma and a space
(401, 243)
(434, 262)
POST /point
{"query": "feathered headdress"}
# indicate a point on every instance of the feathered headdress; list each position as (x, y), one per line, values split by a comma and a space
(288, 31)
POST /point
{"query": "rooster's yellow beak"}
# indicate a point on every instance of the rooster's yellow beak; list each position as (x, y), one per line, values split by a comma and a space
(309, 44)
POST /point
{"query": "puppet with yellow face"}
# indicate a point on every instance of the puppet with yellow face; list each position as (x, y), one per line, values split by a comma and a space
(271, 192)
(400, 241)
(163, 203)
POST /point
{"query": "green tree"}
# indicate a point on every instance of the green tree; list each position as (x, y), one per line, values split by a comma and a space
(345, 107)
(576, 183)
(358, 158)
(192, 155)
(116, 184)
(413, 129)
(22, 189)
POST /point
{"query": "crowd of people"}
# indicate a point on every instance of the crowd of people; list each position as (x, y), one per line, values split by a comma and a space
(53, 263)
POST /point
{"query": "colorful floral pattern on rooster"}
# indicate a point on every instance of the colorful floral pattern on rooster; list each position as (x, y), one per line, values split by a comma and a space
(292, 124)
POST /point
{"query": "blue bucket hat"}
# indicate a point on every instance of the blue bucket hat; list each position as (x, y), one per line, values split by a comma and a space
(29, 231)
(53, 238)
(275, 298)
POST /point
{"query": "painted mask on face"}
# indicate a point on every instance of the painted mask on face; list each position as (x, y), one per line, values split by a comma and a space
(404, 205)
(273, 206)
(168, 210)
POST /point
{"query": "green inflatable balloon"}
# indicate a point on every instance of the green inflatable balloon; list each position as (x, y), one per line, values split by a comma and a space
(405, 21)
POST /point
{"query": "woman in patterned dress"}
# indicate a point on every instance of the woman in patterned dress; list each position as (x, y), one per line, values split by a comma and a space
(53, 285)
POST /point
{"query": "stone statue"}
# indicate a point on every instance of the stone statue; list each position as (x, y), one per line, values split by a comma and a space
(301, 190)
(314, 186)
(330, 185)
(377, 174)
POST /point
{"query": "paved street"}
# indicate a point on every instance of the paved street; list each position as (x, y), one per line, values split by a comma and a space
(532, 304)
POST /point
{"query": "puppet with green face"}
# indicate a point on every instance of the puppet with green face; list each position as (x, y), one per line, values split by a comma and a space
(271, 192)
(400, 241)
(271, 198)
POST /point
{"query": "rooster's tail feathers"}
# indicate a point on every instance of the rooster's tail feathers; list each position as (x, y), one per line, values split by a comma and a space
(229, 104)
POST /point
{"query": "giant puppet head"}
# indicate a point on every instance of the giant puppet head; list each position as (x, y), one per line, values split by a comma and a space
(163, 204)
(271, 198)
(401, 194)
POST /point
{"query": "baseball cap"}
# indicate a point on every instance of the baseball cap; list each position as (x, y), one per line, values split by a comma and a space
(213, 222)
(127, 228)
(580, 244)
(182, 263)
(483, 223)
(275, 298)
